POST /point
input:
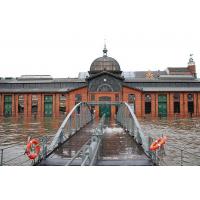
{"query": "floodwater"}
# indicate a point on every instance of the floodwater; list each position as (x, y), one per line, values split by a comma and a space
(14, 133)
(181, 133)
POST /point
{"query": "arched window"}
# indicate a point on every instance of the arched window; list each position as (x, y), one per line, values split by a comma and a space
(78, 99)
(147, 103)
(104, 88)
(190, 103)
(131, 100)
(21, 104)
(176, 103)
(62, 107)
(34, 101)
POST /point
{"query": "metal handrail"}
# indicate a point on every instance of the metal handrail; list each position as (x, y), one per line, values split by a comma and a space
(58, 136)
(3, 149)
(78, 117)
(75, 117)
(91, 148)
(126, 117)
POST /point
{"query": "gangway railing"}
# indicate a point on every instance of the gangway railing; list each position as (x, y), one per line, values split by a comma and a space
(78, 117)
(126, 117)
(15, 155)
(90, 150)
(178, 156)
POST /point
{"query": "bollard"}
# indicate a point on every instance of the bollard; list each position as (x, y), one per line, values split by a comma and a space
(181, 157)
(1, 163)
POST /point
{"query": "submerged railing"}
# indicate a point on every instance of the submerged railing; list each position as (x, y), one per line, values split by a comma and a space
(179, 156)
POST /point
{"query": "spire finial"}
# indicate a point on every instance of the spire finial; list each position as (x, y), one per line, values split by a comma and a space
(105, 49)
(191, 60)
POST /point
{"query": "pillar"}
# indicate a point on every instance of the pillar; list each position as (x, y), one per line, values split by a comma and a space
(39, 110)
(1, 105)
(143, 104)
(25, 105)
(42, 105)
(67, 103)
(171, 105)
(198, 104)
(54, 104)
(16, 105)
(138, 103)
(181, 104)
(156, 104)
(113, 107)
(13, 105)
(57, 105)
(153, 105)
(185, 105)
(195, 104)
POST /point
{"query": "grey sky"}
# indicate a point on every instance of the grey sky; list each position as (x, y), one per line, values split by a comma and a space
(61, 38)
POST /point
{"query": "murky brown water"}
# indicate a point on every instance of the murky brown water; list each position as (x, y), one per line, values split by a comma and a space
(17, 130)
(181, 133)
(14, 133)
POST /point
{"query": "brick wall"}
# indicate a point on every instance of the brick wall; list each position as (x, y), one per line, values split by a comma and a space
(138, 99)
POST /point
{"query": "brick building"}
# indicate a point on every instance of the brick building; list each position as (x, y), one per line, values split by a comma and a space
(173, 92)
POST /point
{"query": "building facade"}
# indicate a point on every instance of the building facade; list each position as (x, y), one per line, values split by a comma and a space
(173, 92)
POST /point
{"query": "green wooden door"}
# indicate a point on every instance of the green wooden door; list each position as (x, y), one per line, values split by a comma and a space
(104, 108)
(48, 105)
(7, 105)
(162, 105)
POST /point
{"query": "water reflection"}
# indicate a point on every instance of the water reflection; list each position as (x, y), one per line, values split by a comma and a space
(181, 133)
(17, 130)
(119, 145)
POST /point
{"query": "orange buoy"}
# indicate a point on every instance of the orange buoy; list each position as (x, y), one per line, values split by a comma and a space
(33, 149)
(158, 143)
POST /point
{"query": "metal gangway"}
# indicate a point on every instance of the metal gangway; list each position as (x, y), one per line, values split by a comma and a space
(88, 153)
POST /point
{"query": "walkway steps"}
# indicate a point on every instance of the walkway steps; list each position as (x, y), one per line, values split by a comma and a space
(142, 162)
(59, 162)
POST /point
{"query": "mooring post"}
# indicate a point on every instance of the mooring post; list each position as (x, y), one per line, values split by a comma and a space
(1, 163)
(181, 157)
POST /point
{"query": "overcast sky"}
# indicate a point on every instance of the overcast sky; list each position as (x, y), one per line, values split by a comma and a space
(61, 38)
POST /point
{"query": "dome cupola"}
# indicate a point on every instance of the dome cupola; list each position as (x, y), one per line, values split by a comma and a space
(105, 63)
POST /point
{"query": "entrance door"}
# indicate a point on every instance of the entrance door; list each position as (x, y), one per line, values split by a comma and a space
(105, 107)
(162, 105)
(48, 106)
(7, 105)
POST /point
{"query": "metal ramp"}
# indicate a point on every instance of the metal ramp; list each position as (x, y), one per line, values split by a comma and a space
(90, 146)
(102, 143)
(62, 155)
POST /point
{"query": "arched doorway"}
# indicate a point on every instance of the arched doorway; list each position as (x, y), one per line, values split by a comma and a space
(105, 106)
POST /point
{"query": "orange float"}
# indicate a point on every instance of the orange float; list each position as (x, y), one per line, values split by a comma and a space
(158, 143)
(33, 149)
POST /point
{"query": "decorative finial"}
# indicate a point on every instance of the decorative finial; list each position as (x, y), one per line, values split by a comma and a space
(105, 49)
(191, 60)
